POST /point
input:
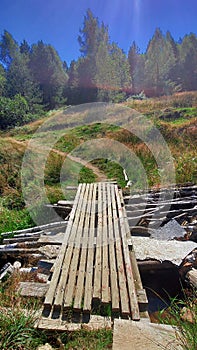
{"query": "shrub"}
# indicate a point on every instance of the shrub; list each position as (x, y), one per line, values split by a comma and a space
(13, 112)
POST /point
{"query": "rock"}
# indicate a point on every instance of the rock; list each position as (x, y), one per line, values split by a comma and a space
(187, 315)
(192, 277)
(143, 335)
(149, 248)
(50, 251)
(45, 347)
(17, 265)
(169, 231)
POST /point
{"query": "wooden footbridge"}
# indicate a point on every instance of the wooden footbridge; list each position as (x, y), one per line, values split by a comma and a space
(95, 266)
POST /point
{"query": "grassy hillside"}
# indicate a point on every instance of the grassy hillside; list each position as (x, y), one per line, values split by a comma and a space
(175, 117)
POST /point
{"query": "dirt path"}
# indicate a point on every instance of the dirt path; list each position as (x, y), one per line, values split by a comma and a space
(101, 177)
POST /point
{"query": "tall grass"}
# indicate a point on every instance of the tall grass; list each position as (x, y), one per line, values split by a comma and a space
(17, 330)
(11, 220)
(183, 315)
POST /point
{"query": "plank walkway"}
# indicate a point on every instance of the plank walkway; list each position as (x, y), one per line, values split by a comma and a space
(94, 265)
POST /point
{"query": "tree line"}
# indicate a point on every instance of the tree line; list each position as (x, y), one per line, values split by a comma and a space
(34, 78)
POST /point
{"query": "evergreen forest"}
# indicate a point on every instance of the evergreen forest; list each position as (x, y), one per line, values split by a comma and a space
(34, 79)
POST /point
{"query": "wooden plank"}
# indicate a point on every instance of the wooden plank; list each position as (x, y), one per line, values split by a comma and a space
(74, 221)
(90, 256)
(125, 232)
(95, 323)
(112, 257)
(105, 289)
(60, 258)
(21, 239)
(141, 293)
(69, 292)
(98, 261)
(82, 267)
(125, 309)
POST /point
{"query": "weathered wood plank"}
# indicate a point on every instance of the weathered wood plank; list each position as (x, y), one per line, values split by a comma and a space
(125, 309)
(112, 257)
(125, 232)
(60, 258)
(105, 289)
(95, 322)
(82, 266)
(73, 226)
(21, 239)
(70, 288)
(98, 261)
(90, 256)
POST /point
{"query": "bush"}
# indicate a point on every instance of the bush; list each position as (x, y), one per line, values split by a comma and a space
(13, 112)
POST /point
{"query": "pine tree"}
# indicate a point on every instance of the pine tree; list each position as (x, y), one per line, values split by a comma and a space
(8, 49)
(47, 70)
(160, 60)
(103, 69)
(2, 80)
(188, 62)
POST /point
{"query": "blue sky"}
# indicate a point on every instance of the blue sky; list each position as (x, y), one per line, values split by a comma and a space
(57, 22)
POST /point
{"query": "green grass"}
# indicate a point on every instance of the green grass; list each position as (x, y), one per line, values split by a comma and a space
(88, 340)
(187, 327)
(179, 133)
(18, 333)
(86, 175)
(17, 330)
(11, 220)
(75, 136)
(17, 319)
(112, 169)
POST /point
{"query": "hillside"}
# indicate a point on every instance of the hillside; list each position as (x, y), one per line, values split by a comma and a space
(175, 117)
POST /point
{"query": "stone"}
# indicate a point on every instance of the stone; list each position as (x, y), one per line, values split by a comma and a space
(17, 265)
(174, 251)
(169, 231)
(187, 315)
(143, 335)
(45, 347)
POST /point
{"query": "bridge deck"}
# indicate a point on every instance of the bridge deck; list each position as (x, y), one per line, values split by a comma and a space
(94, 265)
